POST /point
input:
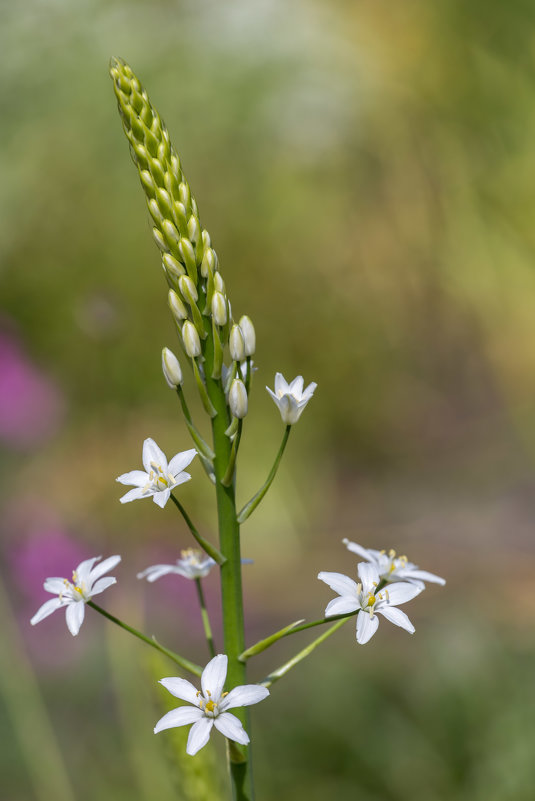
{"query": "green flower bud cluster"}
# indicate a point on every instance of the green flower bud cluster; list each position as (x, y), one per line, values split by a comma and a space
(197, 296)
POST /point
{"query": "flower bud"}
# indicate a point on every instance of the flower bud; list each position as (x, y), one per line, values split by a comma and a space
(184, 194)
(188, 289)
(194, 229)
(208, 263)
(190, 337)
(170, 233)
(219, 308)
(160, 241)
(236, 344)
(172, 266)
(219, 284)
(171, 368)
(237, 399)
(147, 180)
(188, 255)
(249, 336)
(177, 307)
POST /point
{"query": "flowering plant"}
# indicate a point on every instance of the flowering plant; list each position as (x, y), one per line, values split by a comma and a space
(219, 353)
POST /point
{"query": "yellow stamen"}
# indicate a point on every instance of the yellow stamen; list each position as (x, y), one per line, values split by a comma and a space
(210, 706)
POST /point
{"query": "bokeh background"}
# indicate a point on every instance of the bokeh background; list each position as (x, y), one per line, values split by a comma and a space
(366, 171)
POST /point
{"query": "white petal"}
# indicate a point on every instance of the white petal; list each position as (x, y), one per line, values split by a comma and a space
(400, 592)
(422, 575)
(178, 717)
(289, 410)
(180, 461)
(46, 609)
(156, 571)
(369, 576)
(181, 478)
(231, 727)
(75, 616)
(340, 606)
(366, 627)
(296, 387)
(341, 584)
(396, 616)
(359, 550)
(84, 569)
(135, 495)
(199, 735)
(181, 688)
(281, 385)
(309, 391)
(102, 584)
(136, 477)
(105, 566)
(54, 585)
(161, 498)
(214, 675)
(152, 454)
(245, 695)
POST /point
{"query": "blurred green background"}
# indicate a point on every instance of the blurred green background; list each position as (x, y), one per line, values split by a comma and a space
(366, 171)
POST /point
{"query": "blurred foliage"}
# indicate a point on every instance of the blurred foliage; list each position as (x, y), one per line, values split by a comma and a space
(365, 171)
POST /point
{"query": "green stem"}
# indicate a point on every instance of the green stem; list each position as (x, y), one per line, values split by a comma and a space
(228, 478)
(231, 583)
(293, 628)
(180, 660)
(205, 545)
(283, 670)
(205, 618)
(255, 500)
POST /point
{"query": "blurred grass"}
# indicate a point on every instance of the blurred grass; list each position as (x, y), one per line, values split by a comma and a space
(366, 173)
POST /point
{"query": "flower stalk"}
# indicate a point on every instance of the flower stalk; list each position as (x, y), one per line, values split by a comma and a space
(210, 549)
(251, 505)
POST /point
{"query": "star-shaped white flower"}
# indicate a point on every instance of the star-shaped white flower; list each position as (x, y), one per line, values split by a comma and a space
(86, 582)
(392, 567)
(209, 705)
(192, 565)
(369, 603)
(159, 478)
(291, 398)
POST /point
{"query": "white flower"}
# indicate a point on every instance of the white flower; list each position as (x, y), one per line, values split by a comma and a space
(160, 478)
(209, 705)
(291, 398)
(86, 582)
(369, 603)
(191, 565)
(392, 567)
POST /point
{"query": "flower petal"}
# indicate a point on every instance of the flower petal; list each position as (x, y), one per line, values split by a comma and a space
(358, 549)
(309, 391)
(104, 567)
(156, 571)
(84, 569)
(199, 735)
(54, 585)
(369, 576)
(341, 605)
(102, 584)
(153, 455)
(46, 609)
(135, 495)
(281, 385)
(180, 461)
(75, 616)
(400, 592)
(296, 387)
(244, 695)
(396, 616)
(422, 575)
(366, 627)
(231, 727)
(161, 498)
(214, 675)
(181, 478)
(181, 688)
(136, 477)
(341, 584)
(178, 717)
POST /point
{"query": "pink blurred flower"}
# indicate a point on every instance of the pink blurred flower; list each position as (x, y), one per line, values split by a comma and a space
(31, 405)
